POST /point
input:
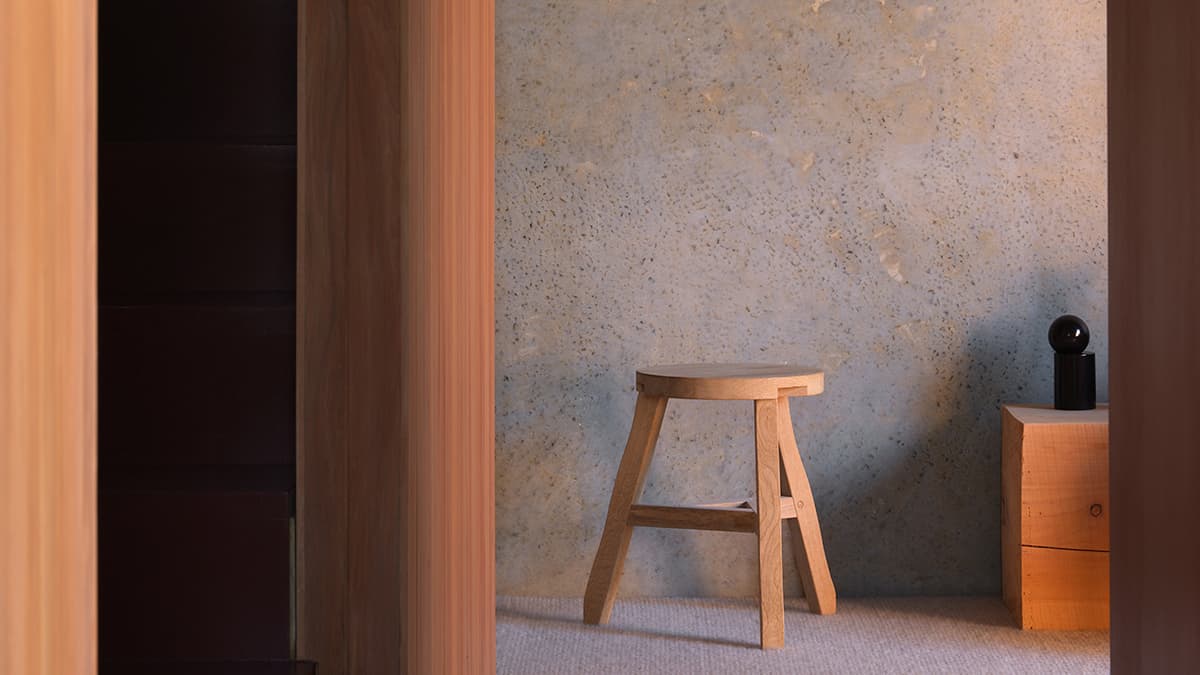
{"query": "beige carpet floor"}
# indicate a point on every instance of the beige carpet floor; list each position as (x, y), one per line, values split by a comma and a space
(889, 635)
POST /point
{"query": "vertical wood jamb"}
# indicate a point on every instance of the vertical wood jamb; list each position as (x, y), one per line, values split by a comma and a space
(1154, 284)
(414, 380)
(48, 595)
(376, 344)
(448, 138)
(321, 350)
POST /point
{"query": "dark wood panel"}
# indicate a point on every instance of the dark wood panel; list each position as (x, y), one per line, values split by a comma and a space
(377, 575)
(1154, 282)
(197, 385)
(210, 668)
(198, 477)
(403, 324)
(191, 217)
(321, 469)
(172, 69)
(194, 577)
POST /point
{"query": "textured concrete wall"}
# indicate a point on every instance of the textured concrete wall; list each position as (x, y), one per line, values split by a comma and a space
(903, 194)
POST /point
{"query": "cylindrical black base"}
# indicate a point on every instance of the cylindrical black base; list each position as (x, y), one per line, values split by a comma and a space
(1075, 381)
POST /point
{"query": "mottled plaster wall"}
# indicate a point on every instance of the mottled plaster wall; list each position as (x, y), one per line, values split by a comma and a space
(904, 194)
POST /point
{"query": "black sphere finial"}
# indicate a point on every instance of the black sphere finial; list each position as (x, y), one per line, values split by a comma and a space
(1069, 334)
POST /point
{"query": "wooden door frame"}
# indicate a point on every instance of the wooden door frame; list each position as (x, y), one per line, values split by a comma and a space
(47, 278)
(48, 336)
(1154, 279)
(396, 318)
(395, 326)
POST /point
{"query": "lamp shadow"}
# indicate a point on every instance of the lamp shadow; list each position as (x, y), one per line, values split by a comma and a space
(933, 503)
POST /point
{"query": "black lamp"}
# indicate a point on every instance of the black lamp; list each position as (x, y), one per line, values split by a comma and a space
(1074, 369)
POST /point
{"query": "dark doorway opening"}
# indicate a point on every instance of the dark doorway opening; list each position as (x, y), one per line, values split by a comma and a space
(197, 258)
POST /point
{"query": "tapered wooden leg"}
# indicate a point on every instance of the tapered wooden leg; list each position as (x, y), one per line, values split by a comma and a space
(807, 547)
(610, 557)
(770, 533)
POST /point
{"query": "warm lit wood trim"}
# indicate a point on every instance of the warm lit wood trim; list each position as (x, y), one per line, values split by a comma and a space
(48, 337)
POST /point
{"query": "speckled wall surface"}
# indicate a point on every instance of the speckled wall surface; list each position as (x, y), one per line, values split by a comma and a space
(904, 194)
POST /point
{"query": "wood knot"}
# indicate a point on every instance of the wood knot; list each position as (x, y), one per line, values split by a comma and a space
(1096, 510)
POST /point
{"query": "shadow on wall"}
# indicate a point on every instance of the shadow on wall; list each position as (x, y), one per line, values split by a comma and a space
(934, 516)
(546, 494)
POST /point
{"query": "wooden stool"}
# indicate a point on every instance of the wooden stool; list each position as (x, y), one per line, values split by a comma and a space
(769, 386)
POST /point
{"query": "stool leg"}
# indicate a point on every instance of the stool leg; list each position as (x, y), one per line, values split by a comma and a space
(770, 533)
(610, 557)
(807, 547)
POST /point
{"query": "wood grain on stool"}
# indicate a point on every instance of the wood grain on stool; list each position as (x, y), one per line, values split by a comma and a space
(730, 381)
(631, 475)
(718, 518)
(807, 547)
(725, 517)
(770, 535)
(769, 387)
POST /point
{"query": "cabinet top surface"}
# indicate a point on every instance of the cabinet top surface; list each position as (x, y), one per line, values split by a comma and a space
(1031, 413)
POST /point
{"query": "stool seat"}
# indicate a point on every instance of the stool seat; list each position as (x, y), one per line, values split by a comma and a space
(730, 381)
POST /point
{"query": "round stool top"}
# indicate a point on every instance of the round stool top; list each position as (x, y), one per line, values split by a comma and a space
(730, 381)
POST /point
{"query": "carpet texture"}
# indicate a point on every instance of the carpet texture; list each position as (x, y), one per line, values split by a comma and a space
(890, 635)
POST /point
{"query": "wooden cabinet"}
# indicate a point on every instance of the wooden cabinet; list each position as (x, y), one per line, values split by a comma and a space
(1054, 517)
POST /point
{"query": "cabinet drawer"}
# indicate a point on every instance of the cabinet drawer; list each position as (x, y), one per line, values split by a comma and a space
(1063, 590)
(1064, 486)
